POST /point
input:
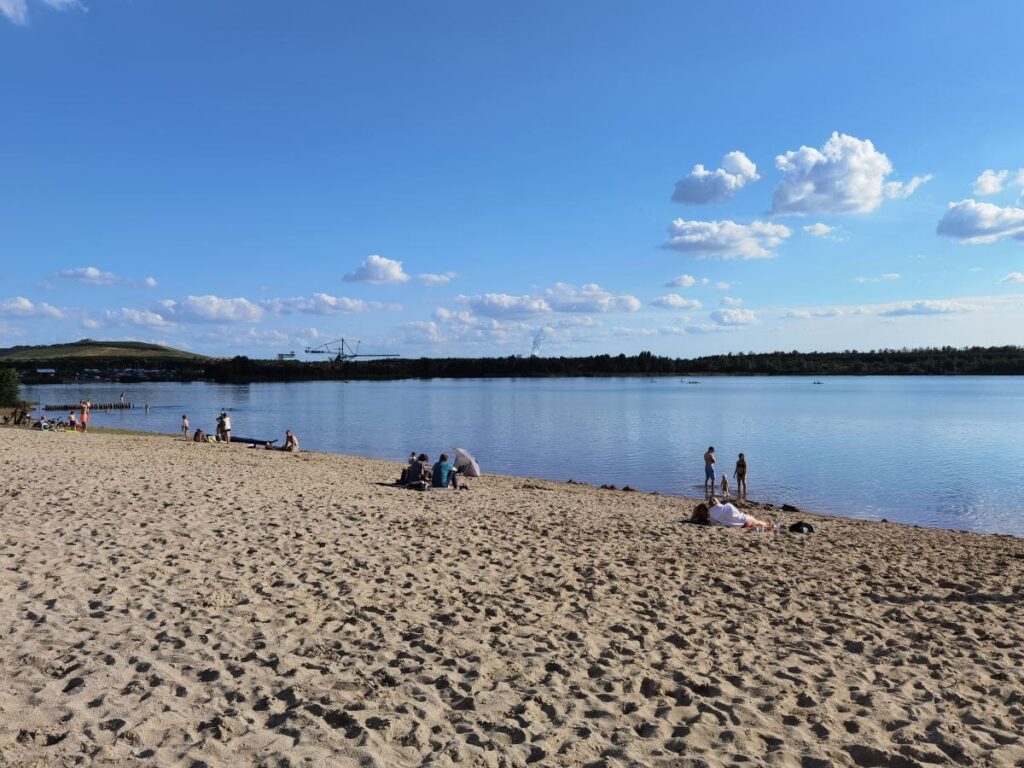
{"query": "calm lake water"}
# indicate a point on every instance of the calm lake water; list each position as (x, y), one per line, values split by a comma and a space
(934, 451)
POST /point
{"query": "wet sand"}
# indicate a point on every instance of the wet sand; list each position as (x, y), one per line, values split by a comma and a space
(164, 603)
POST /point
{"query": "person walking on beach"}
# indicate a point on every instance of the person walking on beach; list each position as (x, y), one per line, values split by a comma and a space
(184, 427)
(709, 471)
(84, 406)
(741, 477)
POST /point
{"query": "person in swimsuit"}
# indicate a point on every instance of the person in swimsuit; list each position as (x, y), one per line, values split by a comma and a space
(184, 427)
(741, 477)
(709, 471)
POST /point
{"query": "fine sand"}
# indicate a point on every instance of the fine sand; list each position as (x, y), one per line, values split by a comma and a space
(173, 604)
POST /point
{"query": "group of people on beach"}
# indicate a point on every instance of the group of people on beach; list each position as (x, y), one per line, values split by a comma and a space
(439, 475)
(740, 475)
(223, 434)
(718, 512)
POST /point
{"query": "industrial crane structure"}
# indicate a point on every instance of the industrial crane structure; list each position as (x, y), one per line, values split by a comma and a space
(342, 350)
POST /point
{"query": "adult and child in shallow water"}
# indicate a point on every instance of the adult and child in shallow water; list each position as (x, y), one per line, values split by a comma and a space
(740, 475)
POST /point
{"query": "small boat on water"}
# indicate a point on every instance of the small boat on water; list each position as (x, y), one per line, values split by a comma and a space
(252, 440)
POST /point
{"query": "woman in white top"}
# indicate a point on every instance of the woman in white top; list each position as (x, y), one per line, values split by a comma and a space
(726, 514)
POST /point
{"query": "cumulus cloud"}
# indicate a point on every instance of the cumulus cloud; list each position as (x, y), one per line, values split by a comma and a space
(19, 306)
(1013, 277)
(722, 285)
(377, 270)
(900, 190)
(96, 276)
(140, 317)
(733, 317)
(703, 186)
(990, 182)
(926, 308)
(972, 222)
(726, 239)
(504, 305)
(325, 304)
(731, 301)
(817, 230)
(428, 279)
(683, 281)
(675, 301)
(846, 175)
(885, 276)
(807, 314)
(563, 297)
(211, 309)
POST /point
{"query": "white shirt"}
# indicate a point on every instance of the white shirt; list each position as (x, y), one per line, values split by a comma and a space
(727, 514)
(227, 423)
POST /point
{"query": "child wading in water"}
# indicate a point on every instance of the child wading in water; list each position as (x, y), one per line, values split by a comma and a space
(725, 486)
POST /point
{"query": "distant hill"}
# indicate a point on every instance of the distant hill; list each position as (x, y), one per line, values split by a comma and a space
(87, 349)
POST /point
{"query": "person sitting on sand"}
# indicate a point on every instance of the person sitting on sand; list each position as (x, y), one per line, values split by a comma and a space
(741, 477)
(291, 442)
(199, 437)
(717, 513)
(709, 471)
(418, 470)
(72, 422)
(444, 474)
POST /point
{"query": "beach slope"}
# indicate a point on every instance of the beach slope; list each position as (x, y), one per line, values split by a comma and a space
(168, 603)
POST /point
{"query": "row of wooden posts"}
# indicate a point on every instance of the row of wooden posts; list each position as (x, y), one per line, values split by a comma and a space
(92, 407)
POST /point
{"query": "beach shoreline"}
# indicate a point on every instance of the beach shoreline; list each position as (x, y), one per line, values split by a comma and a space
(164, 602)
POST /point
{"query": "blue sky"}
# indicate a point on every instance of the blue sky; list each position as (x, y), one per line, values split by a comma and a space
(473, 178)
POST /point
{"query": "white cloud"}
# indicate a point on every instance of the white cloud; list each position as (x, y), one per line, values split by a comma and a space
(817, 230)
(212, 309)
(17, 10)
(846, 175)
(926, 308)
(726, 239)
(683, 281)
(96, 276)
(885, 276)
(137, 317)
(733, 317)
(901, 190)
(89, 276)
(428, 279)
(563, 297)
(972, 222)
(807, 314)
(731, 301)
(703, 186)
(675, 301)
(1013, 277)
(504, 305)
(325, 304)
(19, 306)
(990, 182)
(377, 270)
(722, 285)
(89, 323)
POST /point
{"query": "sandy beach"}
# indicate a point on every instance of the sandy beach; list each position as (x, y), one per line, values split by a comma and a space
(165, 603)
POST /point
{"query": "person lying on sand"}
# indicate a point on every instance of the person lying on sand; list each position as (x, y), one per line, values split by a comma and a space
(717, 513)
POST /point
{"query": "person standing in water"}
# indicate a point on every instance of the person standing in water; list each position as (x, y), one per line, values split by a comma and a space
(741, 477)
(709, 471)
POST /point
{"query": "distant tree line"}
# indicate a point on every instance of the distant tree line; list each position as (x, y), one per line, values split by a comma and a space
(887, 362)
(1007, 360)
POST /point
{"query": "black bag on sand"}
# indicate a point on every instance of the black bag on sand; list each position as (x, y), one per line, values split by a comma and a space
(801, 527)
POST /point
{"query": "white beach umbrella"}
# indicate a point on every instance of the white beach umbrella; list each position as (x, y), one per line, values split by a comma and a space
(466, 464)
